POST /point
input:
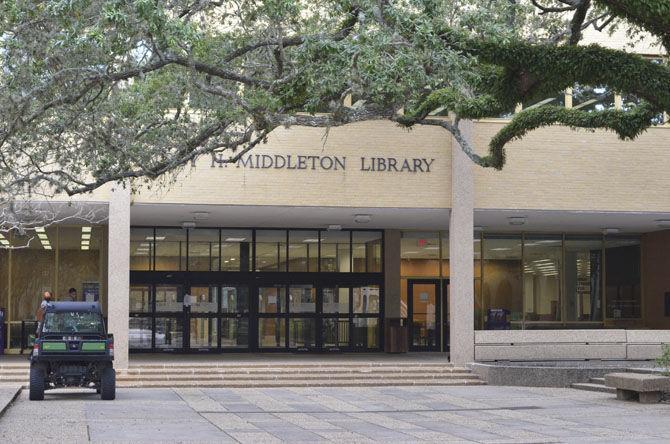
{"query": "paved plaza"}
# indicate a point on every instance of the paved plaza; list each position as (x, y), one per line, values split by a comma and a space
(389, 414)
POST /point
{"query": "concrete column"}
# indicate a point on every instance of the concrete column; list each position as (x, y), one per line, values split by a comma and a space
(392, 273)
(461, 256)
(118, 273)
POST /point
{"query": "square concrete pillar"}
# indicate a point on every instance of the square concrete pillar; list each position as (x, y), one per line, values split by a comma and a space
(461, 254)
(118, 277)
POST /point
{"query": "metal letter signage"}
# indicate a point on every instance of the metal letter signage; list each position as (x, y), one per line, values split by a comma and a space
(325, 163)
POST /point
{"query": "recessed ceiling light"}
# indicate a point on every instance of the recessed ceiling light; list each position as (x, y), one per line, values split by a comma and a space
(86, 235)
(235, 239)
(85, 229)
(611, 230)
(42, 236)
(47, 247)
(200, 215)
(310, 241)
(158, 238)
(84, 247)
(334, 227)
(4, 242)
(39, 229)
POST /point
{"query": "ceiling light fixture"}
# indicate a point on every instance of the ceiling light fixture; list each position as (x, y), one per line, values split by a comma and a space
(334, 227)
(39, 229)
(85, 229)
(200, 215)
(663, 223)
(516, 220)
(611, 230)
(235, 239)
(362, 218)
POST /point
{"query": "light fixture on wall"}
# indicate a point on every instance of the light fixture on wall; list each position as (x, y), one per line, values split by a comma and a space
(516, 220)
(362, 218)
(662, 223)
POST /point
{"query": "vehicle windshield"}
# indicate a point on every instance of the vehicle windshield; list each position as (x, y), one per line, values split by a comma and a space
(72, 322)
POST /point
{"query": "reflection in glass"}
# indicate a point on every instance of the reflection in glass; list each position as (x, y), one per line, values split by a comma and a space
(583, 279)
(335, 300)
(141, 249)
(365, 333)
(234, 332)
(271, 300)
(592, 98)
(170, 245)
(140, 298)
(272, 332)
(169, 298)
(367, 251)
(271, 250)
(203, 333)
(335, 332)
(302, 333)
(302, 299)
(204, 300)
(542, 278)
(236, 250)
(203, 250)
(420, 254)
(169, 333)
(424, 315)
(366, 299)
(303, 250)
(622, 280)
(501, 281)
(234, 299)
(335, 251)
(139, 333)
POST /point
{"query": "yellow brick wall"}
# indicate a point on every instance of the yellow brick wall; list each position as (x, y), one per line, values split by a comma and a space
(352, 187)
(561, 169)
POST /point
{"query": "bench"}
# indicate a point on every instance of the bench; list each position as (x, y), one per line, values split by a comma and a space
(644, 388)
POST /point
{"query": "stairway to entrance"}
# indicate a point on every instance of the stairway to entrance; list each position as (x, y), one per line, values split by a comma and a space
(264, 370)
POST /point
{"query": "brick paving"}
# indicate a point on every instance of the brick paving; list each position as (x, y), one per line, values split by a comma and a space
(482, 414)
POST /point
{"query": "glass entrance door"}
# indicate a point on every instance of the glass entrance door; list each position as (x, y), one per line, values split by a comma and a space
(169, 317)
(425, 316)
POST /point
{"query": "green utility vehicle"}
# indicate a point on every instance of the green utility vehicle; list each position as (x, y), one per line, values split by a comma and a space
(72, 349)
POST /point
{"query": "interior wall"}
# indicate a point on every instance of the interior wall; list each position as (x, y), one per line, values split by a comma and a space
(655, 278)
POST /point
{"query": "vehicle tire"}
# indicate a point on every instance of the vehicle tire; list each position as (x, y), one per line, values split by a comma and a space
(108, 384)
(37, 376)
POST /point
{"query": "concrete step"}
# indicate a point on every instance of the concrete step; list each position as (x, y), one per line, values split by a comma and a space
(299, 383)
(285, 365)
(597, 380)
(282, 376)
(295, 370)
(591, 387)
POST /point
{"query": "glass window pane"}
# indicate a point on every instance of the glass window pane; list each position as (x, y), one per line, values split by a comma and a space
(203, 250)
(365, 333)
(169, 298)
(141, 249)
(34, 251)
(303, 250)
(236, 250)
(79, 265)
(583, 279)
(592, 98)
(272, 332)
(271, 250)
(554, 100)
(542, 278)
(420, 254)
(501, 282)
(170, 249)
(204, 299)
(335, 251)
(203, 333)
(234, 332)
(335, 332)
(366, 299)
(139, 333)
(272, 300)
(140, 298)
(335, 300)
(302, 299)
(367, 251)
(169, 333)
(302, 333)
(622, 278)
(234, 299)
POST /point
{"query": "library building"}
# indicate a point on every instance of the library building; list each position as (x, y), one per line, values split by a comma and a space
(373, 238)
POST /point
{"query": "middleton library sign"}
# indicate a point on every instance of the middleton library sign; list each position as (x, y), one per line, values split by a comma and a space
(328, 163)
